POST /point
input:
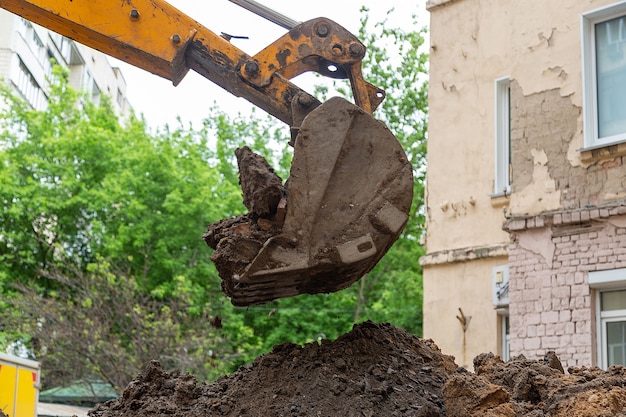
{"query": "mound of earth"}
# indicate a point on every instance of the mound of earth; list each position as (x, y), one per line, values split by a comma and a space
(523, 387)
(376, 370)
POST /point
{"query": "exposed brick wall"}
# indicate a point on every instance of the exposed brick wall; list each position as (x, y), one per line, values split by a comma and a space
(548, 122)
(550, 257)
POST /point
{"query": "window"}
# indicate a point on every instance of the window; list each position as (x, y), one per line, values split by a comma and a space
(613, 327)
(91, 87)
(29, 88)
(95, 94)
(610, 315)
(48, 64)
(500, 288)
(120, 98)
(66, 50)
(37, 46)
(69, 51)
(506, 338)
(502, 116)
(604, 75)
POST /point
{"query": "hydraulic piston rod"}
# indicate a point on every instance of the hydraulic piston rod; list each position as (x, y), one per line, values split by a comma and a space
(267, 13)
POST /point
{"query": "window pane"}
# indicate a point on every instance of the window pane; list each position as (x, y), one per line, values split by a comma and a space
(611, 76)
(616, 342)
(503, 136)
(613, 300)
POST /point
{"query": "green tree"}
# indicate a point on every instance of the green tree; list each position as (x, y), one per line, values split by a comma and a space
(98, 322)
(92, 210)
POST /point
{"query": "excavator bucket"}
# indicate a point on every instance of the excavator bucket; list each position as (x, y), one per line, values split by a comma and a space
(345, 203)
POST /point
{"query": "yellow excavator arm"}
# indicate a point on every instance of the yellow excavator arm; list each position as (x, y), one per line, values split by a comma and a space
(157, 37)
(350, 187)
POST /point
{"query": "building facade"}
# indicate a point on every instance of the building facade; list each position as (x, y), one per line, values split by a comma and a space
(26, 55)
(526, 192)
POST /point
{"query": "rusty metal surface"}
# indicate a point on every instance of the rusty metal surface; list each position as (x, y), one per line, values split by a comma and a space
(318, 45)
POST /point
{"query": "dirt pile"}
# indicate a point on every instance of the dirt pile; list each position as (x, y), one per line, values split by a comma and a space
(523, 387)
(376, 370)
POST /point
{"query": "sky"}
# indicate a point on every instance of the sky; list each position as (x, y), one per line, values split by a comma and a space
(160, 102)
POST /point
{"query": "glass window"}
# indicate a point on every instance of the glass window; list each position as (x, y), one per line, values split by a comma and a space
(604, 69)
(610, 39)
(616, 342)
(613, 328)
(502, 183)
(613, 300)
(29, 88)
(506, 339)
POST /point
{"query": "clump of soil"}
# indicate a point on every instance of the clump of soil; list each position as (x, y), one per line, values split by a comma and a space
(523, 387)
(377, 370)
(238, 240)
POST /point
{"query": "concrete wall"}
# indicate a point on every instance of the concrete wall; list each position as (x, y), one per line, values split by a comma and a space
(470, 291)
(464, 239)
(537, 44)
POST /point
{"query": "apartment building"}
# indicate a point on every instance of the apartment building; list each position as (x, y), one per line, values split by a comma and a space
(526, 191)
(26, 53)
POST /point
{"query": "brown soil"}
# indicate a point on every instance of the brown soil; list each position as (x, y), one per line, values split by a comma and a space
(237, 240)
(376, 370)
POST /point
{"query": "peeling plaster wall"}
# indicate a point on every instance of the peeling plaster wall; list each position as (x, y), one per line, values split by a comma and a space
(537, 44)
(548, 171)
(542, 128)
(465, 59)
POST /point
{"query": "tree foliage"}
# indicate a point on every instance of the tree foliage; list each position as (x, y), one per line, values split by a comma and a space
(97, 212)
(102, 264)
(99, 322)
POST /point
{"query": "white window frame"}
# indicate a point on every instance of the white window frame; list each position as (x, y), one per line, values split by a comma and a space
(500, 290)
(601, 281)
(590, 98)
(506, 337)
(608, 317)
(502, 135)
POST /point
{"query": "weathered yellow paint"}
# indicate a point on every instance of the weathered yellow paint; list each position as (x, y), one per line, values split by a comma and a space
(471, 282)
(155, 36)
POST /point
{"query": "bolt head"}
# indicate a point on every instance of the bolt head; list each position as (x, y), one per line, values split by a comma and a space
(251, 68)
(175, 39)
(305, 100)
(134, 14)
(323, 30)
(356, 49)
